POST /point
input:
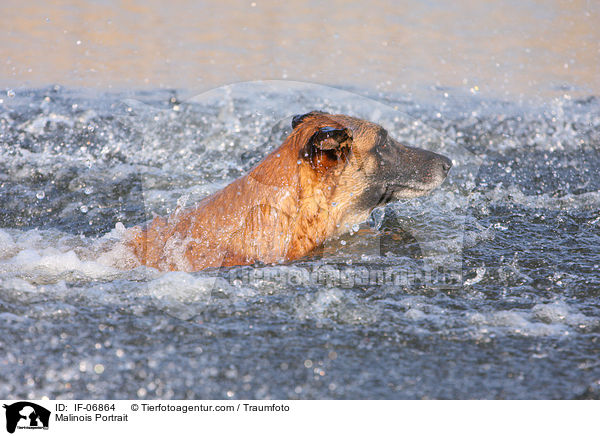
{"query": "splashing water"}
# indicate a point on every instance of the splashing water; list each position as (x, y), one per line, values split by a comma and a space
(518, 220)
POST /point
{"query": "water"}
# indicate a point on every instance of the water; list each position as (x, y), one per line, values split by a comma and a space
(516, 225)
(518, 49)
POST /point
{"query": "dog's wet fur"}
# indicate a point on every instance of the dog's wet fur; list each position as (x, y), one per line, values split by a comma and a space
(328, 175)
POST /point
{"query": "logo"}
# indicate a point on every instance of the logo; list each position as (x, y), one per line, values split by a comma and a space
(26, 415)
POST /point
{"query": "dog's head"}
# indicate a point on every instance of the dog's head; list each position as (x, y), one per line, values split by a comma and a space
(362, 164)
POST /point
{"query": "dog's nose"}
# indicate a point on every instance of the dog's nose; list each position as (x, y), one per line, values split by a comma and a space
(446, 164)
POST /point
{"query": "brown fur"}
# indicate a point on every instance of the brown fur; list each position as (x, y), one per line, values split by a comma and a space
(285, 207)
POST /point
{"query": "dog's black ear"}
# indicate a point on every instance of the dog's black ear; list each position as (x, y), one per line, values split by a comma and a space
(297, 119)
(327, 147)
(330, 138)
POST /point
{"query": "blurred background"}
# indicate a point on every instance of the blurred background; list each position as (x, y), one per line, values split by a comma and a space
(509, 48)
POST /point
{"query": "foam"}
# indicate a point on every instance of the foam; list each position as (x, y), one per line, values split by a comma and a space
(543, 319)
(184, 287)
(512, 194)
(560, 312)
(47, 255)
(334, 305)
(7, 245)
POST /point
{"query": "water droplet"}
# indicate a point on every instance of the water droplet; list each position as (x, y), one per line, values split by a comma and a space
(88, 190)
(84, 209)
(343, 242)
(10, 93)
(40, 195)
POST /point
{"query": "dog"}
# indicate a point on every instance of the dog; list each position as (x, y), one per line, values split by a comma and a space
(327, 176)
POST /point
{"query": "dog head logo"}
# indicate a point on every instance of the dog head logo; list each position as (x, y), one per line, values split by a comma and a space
(26, 415)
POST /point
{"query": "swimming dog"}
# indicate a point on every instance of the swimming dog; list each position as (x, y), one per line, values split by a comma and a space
(328, 175)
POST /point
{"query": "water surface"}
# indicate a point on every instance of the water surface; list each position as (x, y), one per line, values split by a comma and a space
(516, 225)
(114, 111)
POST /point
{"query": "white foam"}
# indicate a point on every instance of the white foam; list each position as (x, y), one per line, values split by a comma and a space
(333, 304)
(112, 251)
(183, 295)
(415, 314)
(560, 312)
(514, 195)
(7, 245)
(184, 287)
(53, 261)
(39, 124)
(546, 319)
(46, 255)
